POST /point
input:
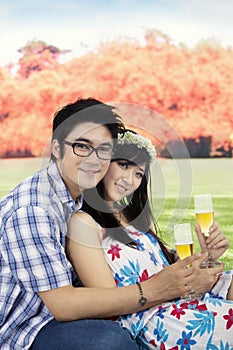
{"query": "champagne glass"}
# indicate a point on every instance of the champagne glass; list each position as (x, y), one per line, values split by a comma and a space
(184, 247)
(204, 211)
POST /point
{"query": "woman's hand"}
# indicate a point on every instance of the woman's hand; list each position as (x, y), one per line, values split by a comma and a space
(216, 244)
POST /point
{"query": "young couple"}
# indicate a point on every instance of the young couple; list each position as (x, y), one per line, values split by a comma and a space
(40, 307)
(112, 242)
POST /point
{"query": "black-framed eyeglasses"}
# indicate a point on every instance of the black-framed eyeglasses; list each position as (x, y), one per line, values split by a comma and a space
(82, 149)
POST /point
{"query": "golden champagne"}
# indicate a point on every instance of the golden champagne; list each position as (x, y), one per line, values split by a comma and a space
(205, 220)
(184, 249)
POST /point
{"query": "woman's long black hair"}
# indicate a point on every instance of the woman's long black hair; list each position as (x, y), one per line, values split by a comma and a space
(136, 208)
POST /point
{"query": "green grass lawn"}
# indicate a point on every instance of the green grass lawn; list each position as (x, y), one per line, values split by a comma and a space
(180, 180)
(174, 182)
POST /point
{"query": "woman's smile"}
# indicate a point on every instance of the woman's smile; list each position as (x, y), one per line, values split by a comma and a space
(121, 189)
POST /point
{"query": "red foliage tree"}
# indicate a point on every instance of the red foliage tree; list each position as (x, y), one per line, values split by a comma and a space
(191, 88)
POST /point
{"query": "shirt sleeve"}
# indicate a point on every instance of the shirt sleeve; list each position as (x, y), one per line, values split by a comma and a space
(32, 248)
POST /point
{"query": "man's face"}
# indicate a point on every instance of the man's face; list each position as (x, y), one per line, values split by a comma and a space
(80, 173)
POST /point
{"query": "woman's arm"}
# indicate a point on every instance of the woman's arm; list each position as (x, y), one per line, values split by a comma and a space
(85, 252)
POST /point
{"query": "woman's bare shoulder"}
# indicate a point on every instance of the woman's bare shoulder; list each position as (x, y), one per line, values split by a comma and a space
(81, 217)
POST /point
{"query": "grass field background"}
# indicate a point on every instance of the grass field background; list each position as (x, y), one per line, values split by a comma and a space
(174, 182)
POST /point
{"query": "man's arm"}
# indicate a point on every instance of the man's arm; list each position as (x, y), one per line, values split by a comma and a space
(69, 303)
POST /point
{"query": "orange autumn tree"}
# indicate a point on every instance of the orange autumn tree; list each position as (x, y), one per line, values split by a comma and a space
(190, 88)
(37, 56)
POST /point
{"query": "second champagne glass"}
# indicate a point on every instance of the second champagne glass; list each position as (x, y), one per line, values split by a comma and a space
(184, 246)
(204, 211)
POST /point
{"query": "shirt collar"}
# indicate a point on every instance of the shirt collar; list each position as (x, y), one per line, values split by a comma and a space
(78, 203)
(58, 184)
(61, 189)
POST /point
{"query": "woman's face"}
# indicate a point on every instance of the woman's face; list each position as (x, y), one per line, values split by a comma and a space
(122, 179)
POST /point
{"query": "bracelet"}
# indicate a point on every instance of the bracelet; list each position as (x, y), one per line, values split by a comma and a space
(142, 301)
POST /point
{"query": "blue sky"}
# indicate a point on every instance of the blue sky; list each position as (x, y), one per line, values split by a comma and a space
(81, 25)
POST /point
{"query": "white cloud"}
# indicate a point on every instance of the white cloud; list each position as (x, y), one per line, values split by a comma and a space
(74, 24)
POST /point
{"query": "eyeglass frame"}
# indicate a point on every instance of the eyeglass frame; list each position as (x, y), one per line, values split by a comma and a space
(93, 149)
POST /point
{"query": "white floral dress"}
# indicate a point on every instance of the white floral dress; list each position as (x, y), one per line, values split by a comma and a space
(200, 324)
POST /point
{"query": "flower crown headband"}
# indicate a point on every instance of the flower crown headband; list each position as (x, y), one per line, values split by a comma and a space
(140, 141)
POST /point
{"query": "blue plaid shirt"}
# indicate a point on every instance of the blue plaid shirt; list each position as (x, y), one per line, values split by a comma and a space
(33, 226)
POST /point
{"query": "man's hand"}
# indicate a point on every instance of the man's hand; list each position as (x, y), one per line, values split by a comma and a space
(205, 279)
(216, 244)
(176, 280)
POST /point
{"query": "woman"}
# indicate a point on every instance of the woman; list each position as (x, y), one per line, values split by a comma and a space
(134, 253)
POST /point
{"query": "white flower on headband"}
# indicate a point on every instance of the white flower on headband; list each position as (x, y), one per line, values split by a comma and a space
(140, 141)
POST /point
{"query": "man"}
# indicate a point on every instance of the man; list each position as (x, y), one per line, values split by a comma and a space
(40, 308)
